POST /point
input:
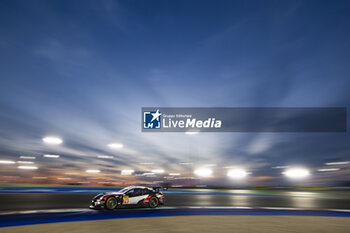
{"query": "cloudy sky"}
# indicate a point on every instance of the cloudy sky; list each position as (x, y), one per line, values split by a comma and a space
(82, 70)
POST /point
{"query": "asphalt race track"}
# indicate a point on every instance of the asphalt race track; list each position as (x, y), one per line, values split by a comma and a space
(315, 200)
(30, 209)
(43, 217)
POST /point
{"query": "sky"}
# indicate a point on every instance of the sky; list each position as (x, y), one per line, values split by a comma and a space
(82, 71)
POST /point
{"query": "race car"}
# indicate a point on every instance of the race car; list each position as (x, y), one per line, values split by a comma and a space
(129, 196)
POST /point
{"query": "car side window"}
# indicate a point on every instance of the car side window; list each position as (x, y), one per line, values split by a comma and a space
(146, 191)
(130, 192)
(138, 192)
(134, 192)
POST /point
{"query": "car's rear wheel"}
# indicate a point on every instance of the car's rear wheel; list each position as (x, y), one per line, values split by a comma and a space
(111, 203)
(153, 202)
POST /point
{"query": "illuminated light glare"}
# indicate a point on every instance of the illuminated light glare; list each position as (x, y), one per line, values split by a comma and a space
(185, 163)
(64, 178)
(209, 165)
(40, 177)
(174, 174)
(237, 173)
(51, 156)
(27, 157)
(191, 133)
(147, 163)
(328, 169)
(115, 145)
(53, 140)
(149, 174)
(337, 163)
(203, 172)
(301, 194)
(92, 171)
(279, 167)
(27, 167)
(158, 171)
(296, 173)
(105, 157)
(7, 162)
(25, 162)
(127, 172)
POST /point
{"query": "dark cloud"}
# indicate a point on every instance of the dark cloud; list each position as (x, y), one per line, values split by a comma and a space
(82, 70)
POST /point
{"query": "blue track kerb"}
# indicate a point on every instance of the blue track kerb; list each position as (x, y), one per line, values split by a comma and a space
(42, 218)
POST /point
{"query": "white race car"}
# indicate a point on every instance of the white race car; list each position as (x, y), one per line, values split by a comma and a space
(129, 196)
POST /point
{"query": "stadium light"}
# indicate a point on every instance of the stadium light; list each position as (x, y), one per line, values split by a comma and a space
(7, 162)
(127, 172)
(296, 173)
(115, 145)
(337, 163)
(52, 140)
(328, 169)
(203, 172)
(185, 163)
(158, 171)
(105, 157)
(175, 174)
(237, 173)
(51, 156)
(25, 162)
(148, 174)
(27, 167)
(27, 157)
(279, 167)
(92, 171)
(191, 132)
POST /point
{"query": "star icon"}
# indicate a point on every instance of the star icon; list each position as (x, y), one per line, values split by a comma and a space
(156, 115)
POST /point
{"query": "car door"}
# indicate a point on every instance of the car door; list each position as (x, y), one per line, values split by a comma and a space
(135, 195)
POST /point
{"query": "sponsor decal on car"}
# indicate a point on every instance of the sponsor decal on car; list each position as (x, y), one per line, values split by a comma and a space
(126, 200)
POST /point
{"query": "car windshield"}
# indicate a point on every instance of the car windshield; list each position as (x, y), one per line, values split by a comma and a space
(124, 190)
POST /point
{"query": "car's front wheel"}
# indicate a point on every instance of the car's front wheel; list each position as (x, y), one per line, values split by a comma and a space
(153, 202)
(111, 203)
